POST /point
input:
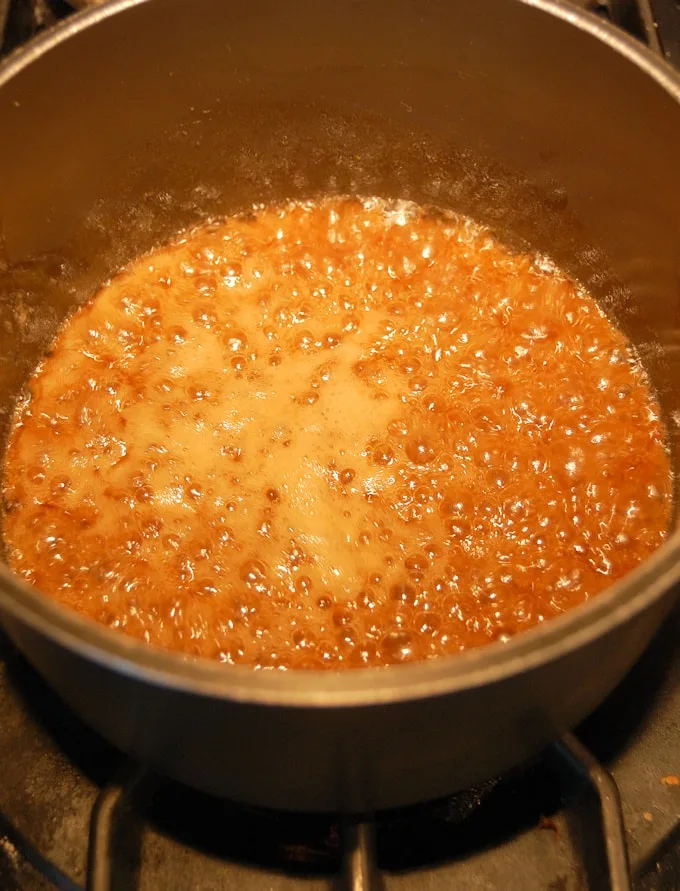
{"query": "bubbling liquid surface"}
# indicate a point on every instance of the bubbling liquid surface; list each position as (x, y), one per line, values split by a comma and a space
(334, 434)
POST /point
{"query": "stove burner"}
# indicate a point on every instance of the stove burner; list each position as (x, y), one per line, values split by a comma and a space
(360, 865)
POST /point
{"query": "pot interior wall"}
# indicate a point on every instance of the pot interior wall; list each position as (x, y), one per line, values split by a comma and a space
(163, 114)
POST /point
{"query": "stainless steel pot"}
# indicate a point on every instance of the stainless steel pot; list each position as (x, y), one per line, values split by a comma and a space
(140, 117)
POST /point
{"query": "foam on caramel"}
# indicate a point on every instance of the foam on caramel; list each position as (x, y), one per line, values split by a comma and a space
(334, 434)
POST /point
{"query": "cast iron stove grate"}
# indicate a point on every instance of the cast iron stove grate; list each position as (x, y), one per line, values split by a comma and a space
(75, 814)
(536, 830)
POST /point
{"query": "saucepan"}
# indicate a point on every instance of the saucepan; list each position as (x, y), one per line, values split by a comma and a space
(141, 117)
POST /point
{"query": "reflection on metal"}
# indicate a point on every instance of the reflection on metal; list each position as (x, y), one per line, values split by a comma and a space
(649, 23)
(579, 759)
(360, 870)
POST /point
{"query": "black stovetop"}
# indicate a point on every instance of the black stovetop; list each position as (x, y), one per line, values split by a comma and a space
(535, 830)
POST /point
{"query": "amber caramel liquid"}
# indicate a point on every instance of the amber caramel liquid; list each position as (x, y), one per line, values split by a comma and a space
(334, 434)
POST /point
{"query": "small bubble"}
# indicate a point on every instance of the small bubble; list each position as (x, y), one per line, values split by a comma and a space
(417, 384)
(420, 450)
(304, 340)
(403, 593)
(166, 385)
(331, 340)
(252, 572)
(60, 484)
(194, 490)
(410, 366)
(342, 616)
(398, 427)
(398, 646)
(427, 623)
(347, 475)
(310, 397)
(436, 405)
(207, 589)
(382, 454)
(232, 452)
(327, 651)
(366, 599)
(423, 494)
(233, 652)
(235, 340)
(198, 393)
(347, 637)
(204, 316)
(304, 640)
(497, 479)
(176, 334)
(416, 565)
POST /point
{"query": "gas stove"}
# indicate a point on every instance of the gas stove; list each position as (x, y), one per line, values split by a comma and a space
(76, 814)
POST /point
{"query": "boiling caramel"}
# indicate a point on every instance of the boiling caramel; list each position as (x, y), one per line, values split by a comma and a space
(334, 434)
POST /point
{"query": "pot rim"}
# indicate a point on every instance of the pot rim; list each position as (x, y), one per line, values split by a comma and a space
(529, 650)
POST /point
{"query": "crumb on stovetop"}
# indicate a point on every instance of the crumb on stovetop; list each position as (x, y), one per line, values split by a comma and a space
(671, 780)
